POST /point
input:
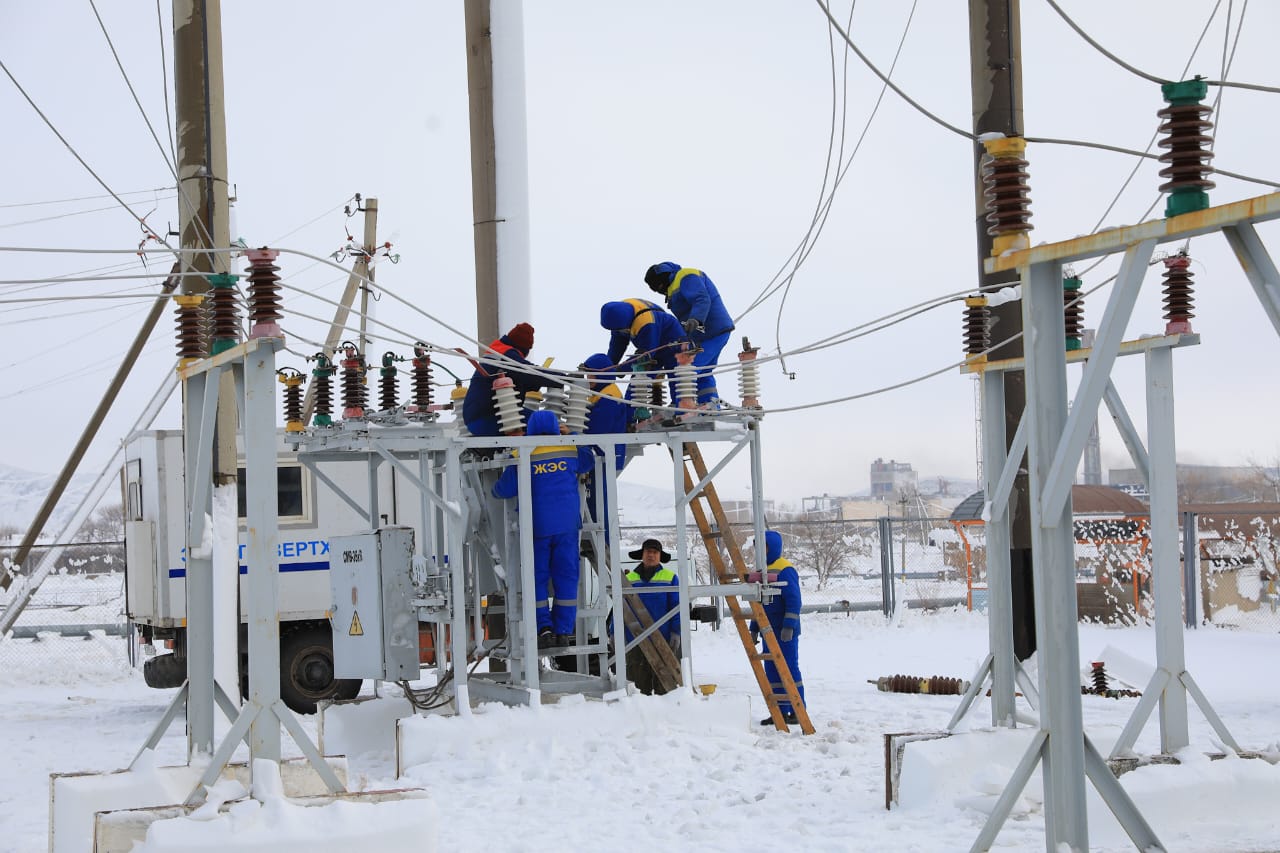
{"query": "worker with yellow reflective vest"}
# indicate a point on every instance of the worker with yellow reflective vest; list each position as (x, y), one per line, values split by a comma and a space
(657, 335)
(696, 303)
(661, 596)
(557, 520)
(783, 612)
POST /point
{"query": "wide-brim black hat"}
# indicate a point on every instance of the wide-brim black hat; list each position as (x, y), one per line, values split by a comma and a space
(650, 543)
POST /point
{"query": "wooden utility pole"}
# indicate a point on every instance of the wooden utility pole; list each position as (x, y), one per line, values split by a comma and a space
(484, 180)
(995, 57)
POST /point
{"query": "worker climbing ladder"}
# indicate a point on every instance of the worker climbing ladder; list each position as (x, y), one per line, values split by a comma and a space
(706, 506)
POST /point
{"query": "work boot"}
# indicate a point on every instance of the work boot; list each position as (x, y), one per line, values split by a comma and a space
(790, 719)
(546, 639)
(564, 640)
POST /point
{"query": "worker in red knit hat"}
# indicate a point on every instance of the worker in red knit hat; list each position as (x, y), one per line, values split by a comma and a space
(503, 356)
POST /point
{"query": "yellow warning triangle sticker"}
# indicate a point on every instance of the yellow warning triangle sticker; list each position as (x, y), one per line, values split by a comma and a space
(357, 630)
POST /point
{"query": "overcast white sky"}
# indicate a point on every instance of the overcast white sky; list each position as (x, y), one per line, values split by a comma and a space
(657, 131)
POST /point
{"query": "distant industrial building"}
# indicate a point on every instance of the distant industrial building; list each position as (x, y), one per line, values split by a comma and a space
(890, 479)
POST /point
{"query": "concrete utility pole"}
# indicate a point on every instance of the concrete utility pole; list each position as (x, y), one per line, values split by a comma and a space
(995, 58)
(355, 282)
(205, 224)
(499, 164)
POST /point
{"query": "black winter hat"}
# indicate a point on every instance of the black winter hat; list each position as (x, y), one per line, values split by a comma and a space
(638, 554)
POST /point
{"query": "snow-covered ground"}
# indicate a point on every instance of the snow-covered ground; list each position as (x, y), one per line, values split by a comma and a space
(683, 772)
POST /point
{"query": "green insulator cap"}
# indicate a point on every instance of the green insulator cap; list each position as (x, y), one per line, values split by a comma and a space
(322, 420)
(1073, 344)
(222, 279)
(222, 345)
(1071, 283)
(1185, 91)
(1185, 200)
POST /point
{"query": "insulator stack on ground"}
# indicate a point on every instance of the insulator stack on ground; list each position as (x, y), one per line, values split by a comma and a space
(977, 327)
(1186, 125)
(193, 343)
(1177, 294)
(938, 684)
(1072, 312)
(224, 302)
(264, 294)
(1099, 675)
(575, 410)
(507, 404)
(686, 381)
(354, 392)
(749, 377)
(322, 375)
(422, 390)
(292, 381)
(1004, 175)
(388, 380)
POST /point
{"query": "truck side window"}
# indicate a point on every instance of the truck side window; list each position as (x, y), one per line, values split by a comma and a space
(289, 499)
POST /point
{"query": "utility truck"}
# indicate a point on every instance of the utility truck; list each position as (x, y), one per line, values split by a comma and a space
(310, 515)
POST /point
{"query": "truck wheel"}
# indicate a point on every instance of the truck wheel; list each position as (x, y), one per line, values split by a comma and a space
(163, 671)
(306, 670)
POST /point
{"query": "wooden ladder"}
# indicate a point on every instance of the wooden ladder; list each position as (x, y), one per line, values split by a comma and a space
(732, 572)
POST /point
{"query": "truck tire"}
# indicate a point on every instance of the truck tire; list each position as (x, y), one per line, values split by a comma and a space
(306, 669)
(163, 671)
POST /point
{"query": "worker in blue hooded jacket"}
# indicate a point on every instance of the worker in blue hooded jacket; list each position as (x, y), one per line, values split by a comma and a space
(607, 415)
(657, 335)
(696, 303)
(557, 520)
(783, 612)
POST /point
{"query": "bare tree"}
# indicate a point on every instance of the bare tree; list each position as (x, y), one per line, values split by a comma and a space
(821, 539)
(1265, 481)
(106, 525)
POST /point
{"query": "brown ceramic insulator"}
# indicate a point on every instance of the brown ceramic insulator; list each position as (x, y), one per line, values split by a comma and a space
(324, 394)
(1099, 676)
(1007, 195)
(264, 288)
(224, 305)
(977, 329)
(1188, 155)
(387, 391)
(193, 342)
(657, 393)
(422, 382)
(1073, 313)
(354, 393)
(293, 403)
(1177, 289)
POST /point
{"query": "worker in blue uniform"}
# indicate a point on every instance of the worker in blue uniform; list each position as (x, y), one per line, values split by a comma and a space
(557, 520)
(607, 415)
(478, 410)
(783, 612)
(696, 303)
(661, 596)
(657, 335)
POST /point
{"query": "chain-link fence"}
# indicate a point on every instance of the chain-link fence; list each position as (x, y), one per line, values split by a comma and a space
(82, 598)
(1236, 555)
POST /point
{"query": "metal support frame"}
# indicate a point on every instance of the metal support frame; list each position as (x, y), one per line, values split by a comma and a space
(1055, 442)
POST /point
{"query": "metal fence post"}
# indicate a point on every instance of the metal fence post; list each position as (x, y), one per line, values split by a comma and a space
(1190, 566)
(886, 566)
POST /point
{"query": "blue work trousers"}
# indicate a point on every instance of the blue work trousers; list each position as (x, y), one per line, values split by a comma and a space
(790, 654)
(555, 563)
(706, 360)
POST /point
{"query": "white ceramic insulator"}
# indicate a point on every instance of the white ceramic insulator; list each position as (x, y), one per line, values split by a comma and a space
(686, 383)
(554, 401)
(749, 380)
(508, 406)
(575, 411)
(641, 389)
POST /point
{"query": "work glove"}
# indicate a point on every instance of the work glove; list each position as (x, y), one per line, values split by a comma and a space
(674, 643)
(755, 632)
(786, 634)
(691, 326)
